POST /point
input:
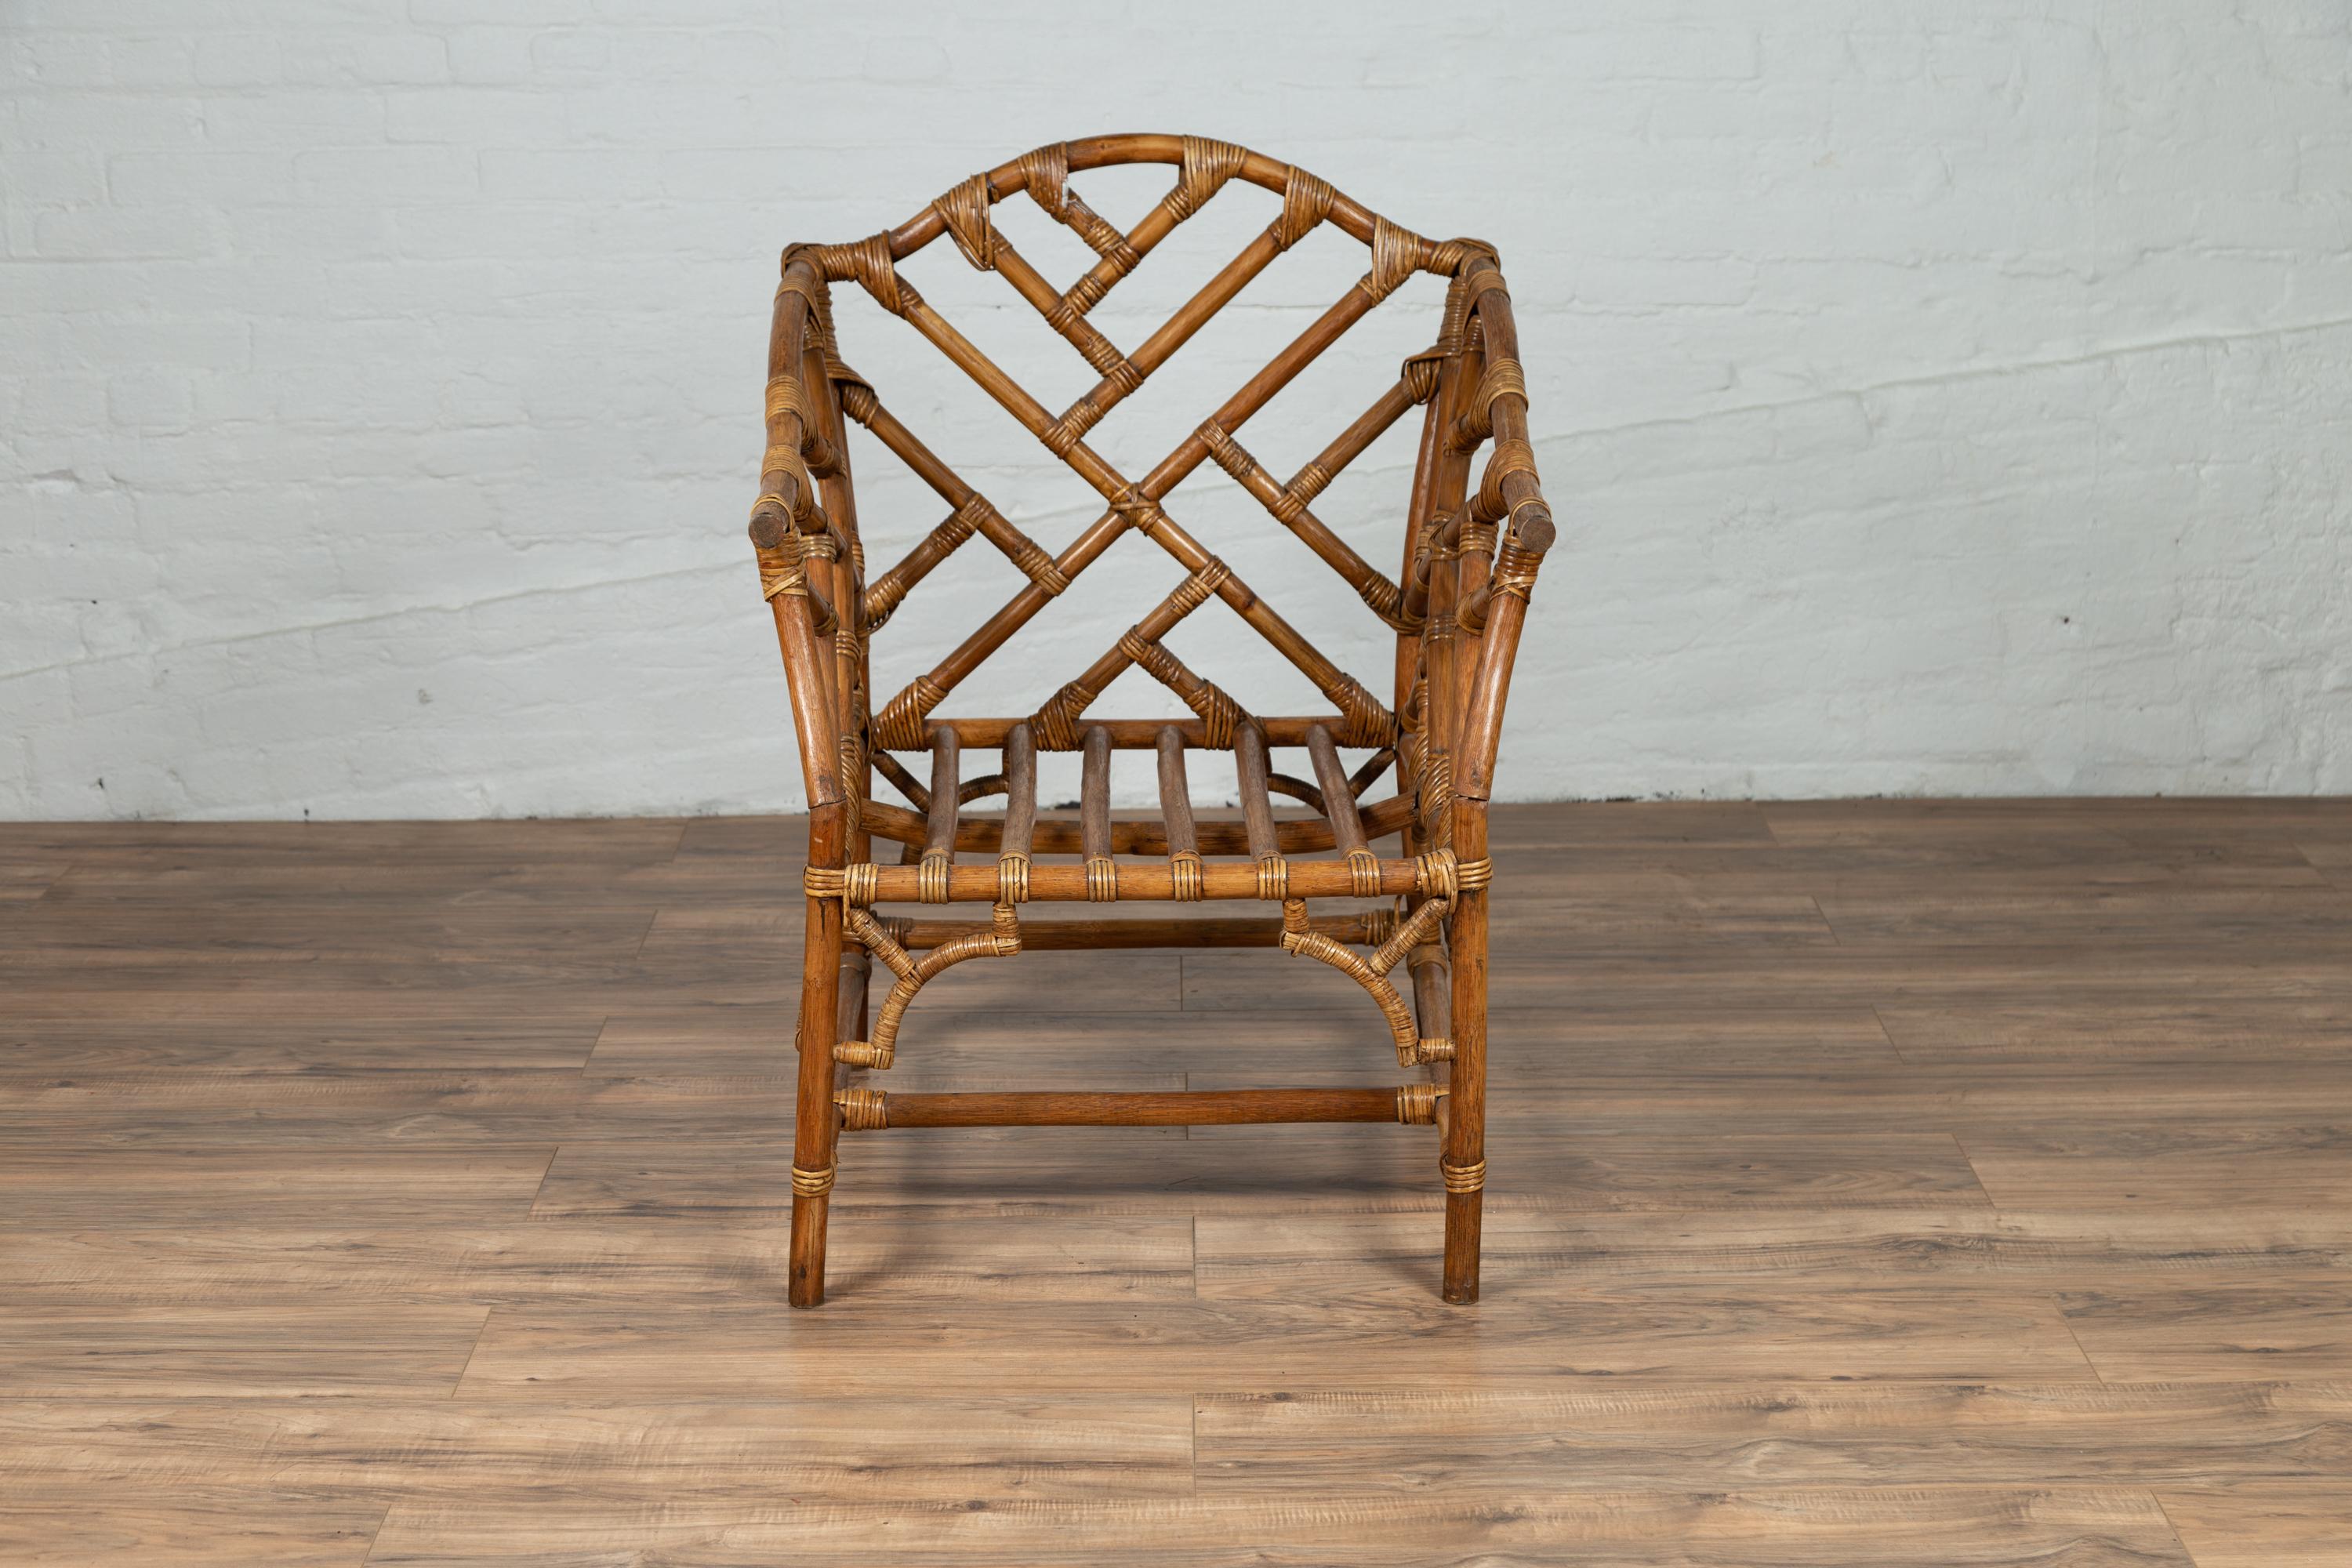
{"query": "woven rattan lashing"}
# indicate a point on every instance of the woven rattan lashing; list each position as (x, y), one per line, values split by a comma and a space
(1475, 532)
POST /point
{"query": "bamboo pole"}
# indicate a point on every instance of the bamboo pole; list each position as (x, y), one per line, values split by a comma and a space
(1149, 882)
(1199, 1108)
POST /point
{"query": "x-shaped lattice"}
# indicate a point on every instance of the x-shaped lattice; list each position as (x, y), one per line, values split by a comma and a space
(963, 214)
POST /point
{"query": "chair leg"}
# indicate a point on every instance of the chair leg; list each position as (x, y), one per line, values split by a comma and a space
(816, 1123)
(849, 1009)
(1463, 1159)
(865, 998)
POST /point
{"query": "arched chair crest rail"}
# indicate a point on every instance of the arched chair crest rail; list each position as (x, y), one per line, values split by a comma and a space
(1475, 531)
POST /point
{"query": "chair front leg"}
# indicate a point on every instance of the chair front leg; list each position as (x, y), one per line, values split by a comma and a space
(1462, 1161)
(816, 1123)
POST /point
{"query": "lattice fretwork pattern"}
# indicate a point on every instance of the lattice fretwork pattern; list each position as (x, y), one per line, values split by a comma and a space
(1468, 561)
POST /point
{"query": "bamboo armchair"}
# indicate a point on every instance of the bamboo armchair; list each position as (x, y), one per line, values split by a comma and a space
(1469, 560)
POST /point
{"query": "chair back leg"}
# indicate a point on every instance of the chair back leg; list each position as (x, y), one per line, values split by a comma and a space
(815, 1123)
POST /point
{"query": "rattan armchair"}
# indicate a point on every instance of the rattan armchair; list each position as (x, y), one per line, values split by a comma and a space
(1470, 556)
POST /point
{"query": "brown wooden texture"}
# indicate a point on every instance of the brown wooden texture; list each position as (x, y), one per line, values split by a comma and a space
(1131, 835)
(1175, 796)
(417, 1192)
(1474, 542)
(1203, 1108)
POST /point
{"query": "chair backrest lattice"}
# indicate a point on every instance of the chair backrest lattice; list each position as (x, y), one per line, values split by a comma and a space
(1467, 562)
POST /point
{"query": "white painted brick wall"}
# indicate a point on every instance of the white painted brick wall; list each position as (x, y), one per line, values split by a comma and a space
(1938, 397)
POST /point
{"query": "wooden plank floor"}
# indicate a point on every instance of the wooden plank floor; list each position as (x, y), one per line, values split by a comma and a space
(1873, 1184)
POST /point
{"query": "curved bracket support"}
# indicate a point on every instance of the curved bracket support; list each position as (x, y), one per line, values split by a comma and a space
(1002, 940)
(1371, 973)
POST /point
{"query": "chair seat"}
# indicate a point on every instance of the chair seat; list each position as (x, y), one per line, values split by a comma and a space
(1257, 858)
